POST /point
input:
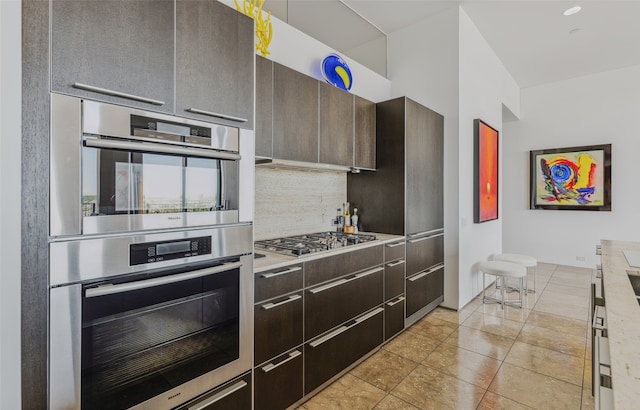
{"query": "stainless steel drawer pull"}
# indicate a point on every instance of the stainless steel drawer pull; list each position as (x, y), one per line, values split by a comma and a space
(424, 238)
(343, 281)
(368, 316)
(219, 396)
(291, 298)
(426, 272)
(109, 289)
(284, 272)
(215, 114)
(598, 250)
(113, 93)
(161, 148)
(394, 245)
(394, 264)
(270, 366)
(395, 302)
(432, 232)
(343, 329)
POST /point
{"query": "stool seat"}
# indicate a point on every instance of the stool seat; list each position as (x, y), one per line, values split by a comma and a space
(525, 260)
(503, 268)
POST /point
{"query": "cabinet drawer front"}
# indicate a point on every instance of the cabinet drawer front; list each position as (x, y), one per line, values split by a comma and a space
(278, 384)
(393, 279)
(423, 288)
(333, 352)
(272, 283)
(325, 269)
(333, 303)
(233, 395)
(394, 251)
(424, 252)
(393, 317)
(278, 326)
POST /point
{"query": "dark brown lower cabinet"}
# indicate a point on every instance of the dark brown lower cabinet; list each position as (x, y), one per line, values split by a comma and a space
(279, 383)
(335, 302)
(334, 351)
(393, 279)
(424, 252)
(393, 317)
(235, 394)
(424, 288)
(278, 326)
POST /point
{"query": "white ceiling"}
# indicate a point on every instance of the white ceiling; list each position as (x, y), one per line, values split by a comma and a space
(535, 42)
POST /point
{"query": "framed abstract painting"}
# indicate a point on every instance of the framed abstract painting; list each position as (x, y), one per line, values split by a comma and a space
(485, 190)
(575, 178)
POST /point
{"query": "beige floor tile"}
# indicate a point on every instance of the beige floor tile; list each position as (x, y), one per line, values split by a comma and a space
(534, 389)
(480, 342)
(557, 323)
(577, 272)
(492, 401)
(587, 400)
(548, 362)
(558, 341)
(508, 312)
(434, 327)
(564, 279)
(411, 345)
(426, 388)
(393, 403)
(384, 370)
(568, 290)
(463, 364)
(560, 308)
(452, 316)
(348, 393)
(494, 324)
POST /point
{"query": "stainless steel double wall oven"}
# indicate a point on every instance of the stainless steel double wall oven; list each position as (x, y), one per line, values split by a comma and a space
(150, 257)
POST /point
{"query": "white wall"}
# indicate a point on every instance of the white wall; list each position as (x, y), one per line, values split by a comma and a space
(423, 65)
(596, 109)
(10, 149)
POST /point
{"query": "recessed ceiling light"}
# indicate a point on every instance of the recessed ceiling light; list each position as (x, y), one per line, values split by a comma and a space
(571, 11)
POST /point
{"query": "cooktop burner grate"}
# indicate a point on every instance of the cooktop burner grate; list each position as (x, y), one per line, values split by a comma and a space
(301, 245)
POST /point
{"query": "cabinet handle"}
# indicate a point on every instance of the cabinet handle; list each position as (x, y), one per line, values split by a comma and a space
(284, 272)
(432, 232)
(106, 91)
(426, 272)
(343, 329)
(291, 298)
(424, 238)
(215, 114)
(394, 264)
(270, 366)
(598, 250)
(161, 148)
(343, 281)
(395, 302)
(219, 396)
(393, 245)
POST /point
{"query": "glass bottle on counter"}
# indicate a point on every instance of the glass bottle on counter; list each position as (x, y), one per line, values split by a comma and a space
(339, 220)
(354, 219)
(347, 215)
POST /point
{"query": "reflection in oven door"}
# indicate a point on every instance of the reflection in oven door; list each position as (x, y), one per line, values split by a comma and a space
(140, 339)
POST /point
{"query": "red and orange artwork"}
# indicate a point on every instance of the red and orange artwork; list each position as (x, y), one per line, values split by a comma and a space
(486, 188)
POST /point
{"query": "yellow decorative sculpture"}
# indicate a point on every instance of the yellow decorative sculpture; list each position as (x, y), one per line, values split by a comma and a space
(264, 28)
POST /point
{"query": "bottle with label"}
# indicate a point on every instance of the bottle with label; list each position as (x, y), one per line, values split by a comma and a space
(354, 219)
(339, 220)
(347, 215)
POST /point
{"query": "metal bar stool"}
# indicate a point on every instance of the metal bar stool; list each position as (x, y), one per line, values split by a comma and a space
(524, 260)
(502, 271)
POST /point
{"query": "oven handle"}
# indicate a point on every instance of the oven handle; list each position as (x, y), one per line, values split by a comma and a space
(109, 288)
(219, 396)
(161, 148)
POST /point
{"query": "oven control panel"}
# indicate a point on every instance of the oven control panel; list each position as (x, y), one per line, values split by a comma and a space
(150, 252)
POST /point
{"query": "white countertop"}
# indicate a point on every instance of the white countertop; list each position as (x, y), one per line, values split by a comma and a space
(275, 260)
(623, 323)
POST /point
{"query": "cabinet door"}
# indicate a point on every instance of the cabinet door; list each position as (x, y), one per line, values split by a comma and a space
(264, 107)
(424, 139)
(275, 282)
(424, 288)
(393, 317)
(278, 326)
(214, 63)
(336, 126)
(365, 134)
(295, 115)
(329, 354)
(393, 279)
(424, 252)
(115, 51)
(279, 383)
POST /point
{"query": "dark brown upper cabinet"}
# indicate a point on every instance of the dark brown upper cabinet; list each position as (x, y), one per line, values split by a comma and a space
(336, 126)
(264, 107)
(214, 63)
(365, 134)
(114, 51)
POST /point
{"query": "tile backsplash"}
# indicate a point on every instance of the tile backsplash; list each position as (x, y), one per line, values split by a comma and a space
(293, 202)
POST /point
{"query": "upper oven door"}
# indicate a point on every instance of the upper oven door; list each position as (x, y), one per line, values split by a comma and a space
(116, 169)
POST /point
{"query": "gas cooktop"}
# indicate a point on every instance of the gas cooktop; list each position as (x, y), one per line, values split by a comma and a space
(301, 245)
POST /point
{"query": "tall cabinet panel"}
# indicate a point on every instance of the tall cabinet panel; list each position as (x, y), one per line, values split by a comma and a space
(115, 51)
(405, 196)
(364, 134)
(264, 107)
(295, 115)
(214, 63)
(336, 126)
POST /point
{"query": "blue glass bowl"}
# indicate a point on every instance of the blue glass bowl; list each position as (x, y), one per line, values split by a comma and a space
(336, 71)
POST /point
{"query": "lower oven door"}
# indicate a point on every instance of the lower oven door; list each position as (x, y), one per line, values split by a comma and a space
(148, 342)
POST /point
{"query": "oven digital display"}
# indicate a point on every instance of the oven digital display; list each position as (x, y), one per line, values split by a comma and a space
(173, 247)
